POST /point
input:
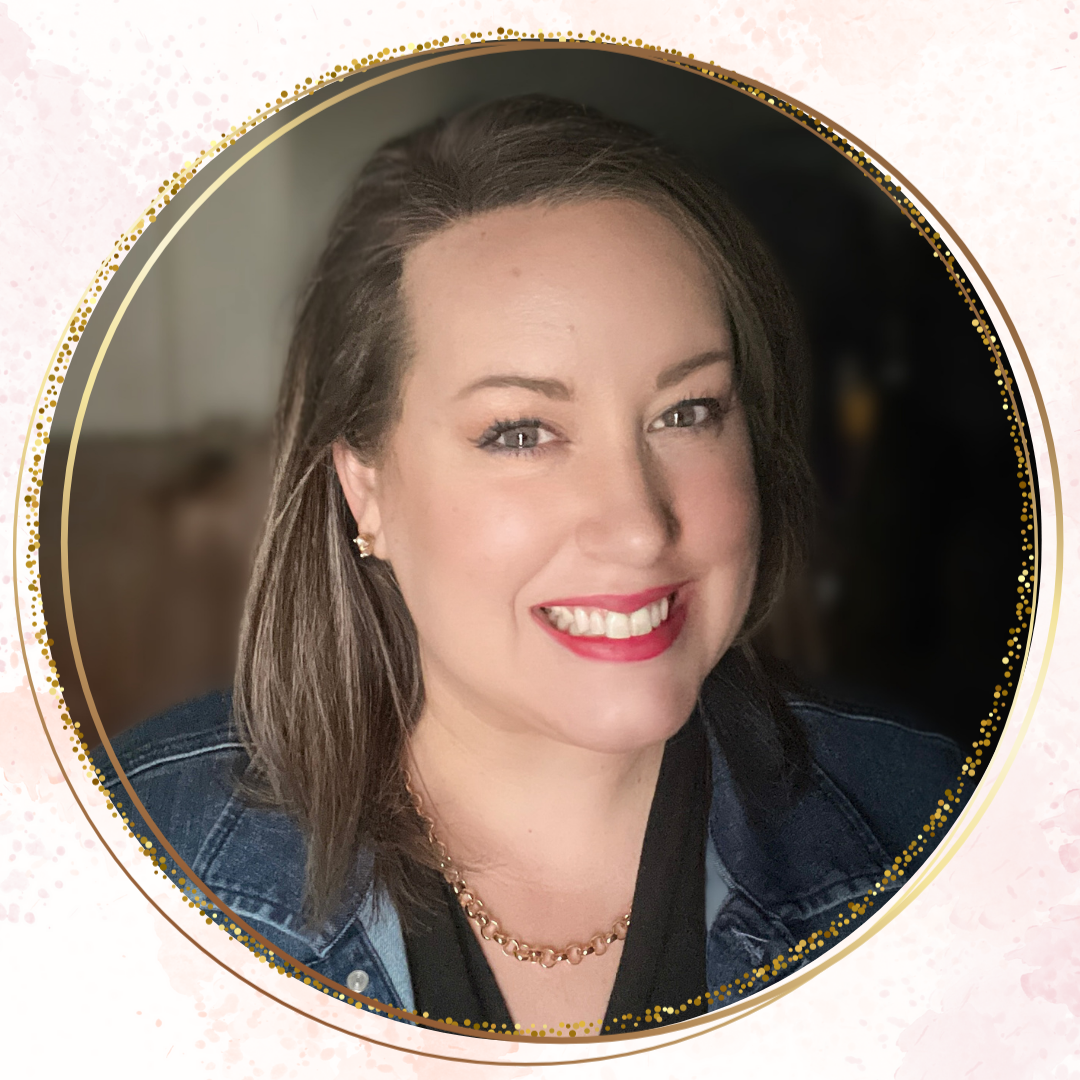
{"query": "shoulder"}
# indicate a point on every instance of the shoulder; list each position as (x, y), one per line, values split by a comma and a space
(865, 766)
(182, 766)
(872, 785)
(892, 774)
(869, 788)
(198, 728)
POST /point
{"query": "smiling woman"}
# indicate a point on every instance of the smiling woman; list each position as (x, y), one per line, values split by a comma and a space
(613, 465)
(499, 748)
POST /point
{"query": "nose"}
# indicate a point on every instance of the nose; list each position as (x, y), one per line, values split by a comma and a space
(627, 515)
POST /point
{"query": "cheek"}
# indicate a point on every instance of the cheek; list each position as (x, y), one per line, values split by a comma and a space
(716, 502)
(509, 537)
(462, 538)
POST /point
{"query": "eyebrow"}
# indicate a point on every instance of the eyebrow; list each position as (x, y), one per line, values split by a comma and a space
(559, 391)
(672, 376)
(551, 388)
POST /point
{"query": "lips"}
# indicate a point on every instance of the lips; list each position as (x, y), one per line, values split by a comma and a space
(625, 627)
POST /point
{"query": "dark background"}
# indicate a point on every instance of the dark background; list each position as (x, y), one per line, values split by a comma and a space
(911, 588)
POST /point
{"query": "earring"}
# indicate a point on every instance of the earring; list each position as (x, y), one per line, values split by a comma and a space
(365, 545)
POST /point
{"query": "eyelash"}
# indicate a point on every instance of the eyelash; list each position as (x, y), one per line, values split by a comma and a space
(715, 412)
(489, 440)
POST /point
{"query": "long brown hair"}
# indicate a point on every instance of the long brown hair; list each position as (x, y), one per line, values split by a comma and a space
(328, 683)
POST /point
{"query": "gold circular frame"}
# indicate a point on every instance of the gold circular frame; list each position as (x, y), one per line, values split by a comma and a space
(921, 214)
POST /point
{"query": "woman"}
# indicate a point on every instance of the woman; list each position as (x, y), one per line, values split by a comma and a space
(499, 749)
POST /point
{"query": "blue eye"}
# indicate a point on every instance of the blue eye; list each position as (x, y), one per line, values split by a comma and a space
(692, 413)
(515, 436)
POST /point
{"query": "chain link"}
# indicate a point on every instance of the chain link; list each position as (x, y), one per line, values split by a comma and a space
(490, 928)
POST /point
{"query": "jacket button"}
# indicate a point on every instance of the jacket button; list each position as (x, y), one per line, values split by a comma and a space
(357, 981)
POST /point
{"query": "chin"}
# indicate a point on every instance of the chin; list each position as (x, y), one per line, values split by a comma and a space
(624, 722)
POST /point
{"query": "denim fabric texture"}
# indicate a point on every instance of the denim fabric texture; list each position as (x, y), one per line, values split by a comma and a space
(874, 784)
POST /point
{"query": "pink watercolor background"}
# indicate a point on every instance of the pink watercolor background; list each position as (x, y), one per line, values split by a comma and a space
(975, 103)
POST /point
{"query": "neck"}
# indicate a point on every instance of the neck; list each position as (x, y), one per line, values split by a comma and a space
(523, 804)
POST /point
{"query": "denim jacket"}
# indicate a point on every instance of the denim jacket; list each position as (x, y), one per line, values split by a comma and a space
(773, 899)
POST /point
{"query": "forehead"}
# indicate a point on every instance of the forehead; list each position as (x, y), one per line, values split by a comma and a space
(559, 285)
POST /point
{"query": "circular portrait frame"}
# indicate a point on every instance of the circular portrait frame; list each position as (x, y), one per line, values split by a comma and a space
(155, 867)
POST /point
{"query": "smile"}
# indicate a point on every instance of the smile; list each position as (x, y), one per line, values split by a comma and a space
(617, 628)
(598, 622)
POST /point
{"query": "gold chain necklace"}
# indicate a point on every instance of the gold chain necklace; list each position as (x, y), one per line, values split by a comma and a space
(490, 928)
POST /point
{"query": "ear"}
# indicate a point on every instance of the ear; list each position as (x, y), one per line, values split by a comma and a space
(359, 482)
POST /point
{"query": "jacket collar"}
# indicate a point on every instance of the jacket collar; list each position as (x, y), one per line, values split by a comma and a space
(810, 856)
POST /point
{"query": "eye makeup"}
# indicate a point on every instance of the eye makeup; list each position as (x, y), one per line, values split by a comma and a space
(526, 435)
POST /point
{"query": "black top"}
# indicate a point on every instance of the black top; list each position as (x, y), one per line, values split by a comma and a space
(663, 960)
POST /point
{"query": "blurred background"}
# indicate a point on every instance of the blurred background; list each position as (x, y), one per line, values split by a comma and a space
(910, 591)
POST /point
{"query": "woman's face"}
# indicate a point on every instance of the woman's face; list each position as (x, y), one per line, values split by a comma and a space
(568, 500)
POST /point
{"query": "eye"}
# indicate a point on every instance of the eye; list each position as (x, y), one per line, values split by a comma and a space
(694, 412)
(515, 436)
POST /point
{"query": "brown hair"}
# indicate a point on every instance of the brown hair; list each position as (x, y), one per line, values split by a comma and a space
(328, 683)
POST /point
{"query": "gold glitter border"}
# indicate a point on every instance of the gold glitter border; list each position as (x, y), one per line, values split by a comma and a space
(478, 43)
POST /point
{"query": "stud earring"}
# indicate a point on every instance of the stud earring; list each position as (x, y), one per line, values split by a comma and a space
(365, 545)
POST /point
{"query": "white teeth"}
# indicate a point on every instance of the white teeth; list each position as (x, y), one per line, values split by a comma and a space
(595, 622)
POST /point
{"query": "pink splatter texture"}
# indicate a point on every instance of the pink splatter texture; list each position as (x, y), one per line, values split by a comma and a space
(1052, 950)
(1069, 854)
